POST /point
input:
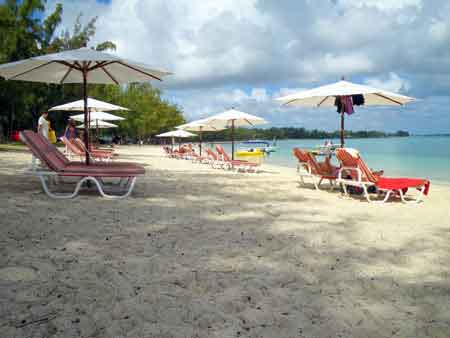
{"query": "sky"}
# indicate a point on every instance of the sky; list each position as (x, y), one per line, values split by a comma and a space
(246, 53)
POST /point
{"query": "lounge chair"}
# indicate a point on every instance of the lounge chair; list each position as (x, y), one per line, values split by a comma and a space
(354, 172)
(59, 166)
(75, 147)
(308, 167)
(99, 154)
(239, 164)
(213, 159)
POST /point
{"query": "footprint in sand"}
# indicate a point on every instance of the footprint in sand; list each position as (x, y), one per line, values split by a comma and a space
(17, 273)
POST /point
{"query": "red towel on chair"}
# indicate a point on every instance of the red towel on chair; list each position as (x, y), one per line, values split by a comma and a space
(402, 183)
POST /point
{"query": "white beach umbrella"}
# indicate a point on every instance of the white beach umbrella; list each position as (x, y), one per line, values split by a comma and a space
(200, 126)
(98, 115)
(326, 96)
(234, 118)
(82, 65)
(100, 125)
(177, 133)
(93, 105)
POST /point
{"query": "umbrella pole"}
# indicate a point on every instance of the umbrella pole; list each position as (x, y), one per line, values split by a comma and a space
(342, 128)
(232, 140)
(96, 134)
(86, 126)
(200, 143)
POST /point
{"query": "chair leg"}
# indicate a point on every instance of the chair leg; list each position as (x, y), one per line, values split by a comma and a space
(418, 199)
(129, 188)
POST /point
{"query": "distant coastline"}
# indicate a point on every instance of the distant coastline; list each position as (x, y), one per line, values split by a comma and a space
(296, 133)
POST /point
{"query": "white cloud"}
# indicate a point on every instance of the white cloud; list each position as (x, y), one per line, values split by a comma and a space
(230, 52)
(393, 83)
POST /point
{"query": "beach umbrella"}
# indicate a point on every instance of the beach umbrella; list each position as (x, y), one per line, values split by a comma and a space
(331, 94)
(100, 125)
(84, 66)
(98, 115)
(92, 104)
(179, 133)
(200, 126)
(95, 117)
(234, 118)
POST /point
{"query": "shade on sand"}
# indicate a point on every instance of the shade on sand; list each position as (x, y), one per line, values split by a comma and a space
(326, 95)
(234, 118)
(84, 66)
(200, 126)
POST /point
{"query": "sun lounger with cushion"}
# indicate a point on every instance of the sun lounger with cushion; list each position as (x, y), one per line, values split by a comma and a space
(309, 168)
(59, 166)
(230, 164)
(354, 172)
(75, 147)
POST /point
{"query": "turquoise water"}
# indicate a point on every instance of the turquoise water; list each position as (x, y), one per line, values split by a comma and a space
(415, 156)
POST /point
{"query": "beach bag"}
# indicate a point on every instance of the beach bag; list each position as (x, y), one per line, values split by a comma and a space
(52, 136)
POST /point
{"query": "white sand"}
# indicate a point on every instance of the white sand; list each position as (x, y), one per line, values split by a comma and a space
(198, 252)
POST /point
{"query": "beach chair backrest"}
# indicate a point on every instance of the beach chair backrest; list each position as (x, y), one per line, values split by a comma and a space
(308, 159)
(80, 145)
(211, 154)
(222, 153)
(71, 146)
(44, 150)
(348, 160)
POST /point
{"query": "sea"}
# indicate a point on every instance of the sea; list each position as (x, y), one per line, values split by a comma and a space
(413, 156)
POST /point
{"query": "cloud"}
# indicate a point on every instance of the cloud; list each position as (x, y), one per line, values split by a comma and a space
(230, 52)
(393, 83)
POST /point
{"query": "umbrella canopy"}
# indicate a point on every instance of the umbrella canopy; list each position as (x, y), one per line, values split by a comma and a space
(234, 118)
(326, 96)
(84, 66)
(200, 126)
(98, 115)
(177, 133)
(73, 66)
(100, 125)
(93, 105)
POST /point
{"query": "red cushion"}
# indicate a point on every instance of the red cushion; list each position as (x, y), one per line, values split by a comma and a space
(391, 183)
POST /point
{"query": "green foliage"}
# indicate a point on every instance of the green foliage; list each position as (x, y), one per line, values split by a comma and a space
(24, 33)
(294, 133)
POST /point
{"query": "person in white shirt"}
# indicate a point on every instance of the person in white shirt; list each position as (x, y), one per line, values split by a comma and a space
(43, 127)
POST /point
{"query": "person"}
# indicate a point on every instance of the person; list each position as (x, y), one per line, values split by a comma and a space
(43, 128)
(43, 125)
(71, 130)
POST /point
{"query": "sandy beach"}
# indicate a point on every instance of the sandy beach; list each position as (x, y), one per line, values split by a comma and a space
(201, 252)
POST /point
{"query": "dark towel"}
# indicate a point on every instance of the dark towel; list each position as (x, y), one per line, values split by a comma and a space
(357, 99)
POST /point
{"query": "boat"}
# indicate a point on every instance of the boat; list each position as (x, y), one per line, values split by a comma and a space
(257, 147)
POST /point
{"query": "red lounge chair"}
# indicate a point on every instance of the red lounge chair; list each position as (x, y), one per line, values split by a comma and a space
(308, 167)
(214, 159)
(230, 164)
(77, 148)
(59, 166)
(363, 177)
